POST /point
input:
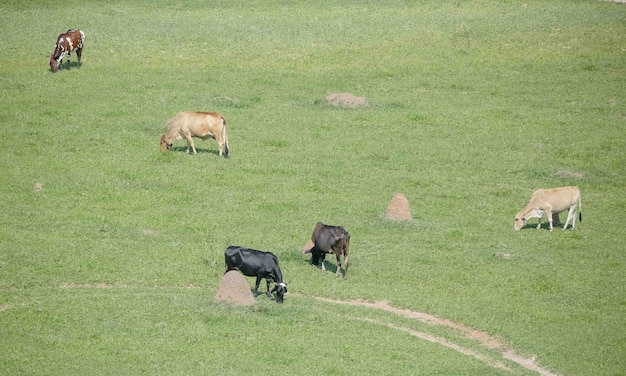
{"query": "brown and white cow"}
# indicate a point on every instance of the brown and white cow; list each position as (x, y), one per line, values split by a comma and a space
(72, 40)
(549, 202)
(203, 125)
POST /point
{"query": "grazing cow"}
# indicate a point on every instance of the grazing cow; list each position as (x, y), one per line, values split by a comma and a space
(259, 264)
(202, 125)
(66, 43)
(550, 202)
(330, 239)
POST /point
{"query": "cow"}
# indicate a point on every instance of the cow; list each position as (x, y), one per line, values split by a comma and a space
(259, 264)
(72, 40)
(203, 125)
(551, 202)
(330, 239)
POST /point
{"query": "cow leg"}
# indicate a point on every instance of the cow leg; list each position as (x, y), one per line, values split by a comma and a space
(571, 214)
(69, 60)
(190, 143)
(323, 257)
(79, 52)
(267, 292)
(220, 143)
(345, 266)
(549, 216)
(338, 257)
(256, 286)
(539, 222)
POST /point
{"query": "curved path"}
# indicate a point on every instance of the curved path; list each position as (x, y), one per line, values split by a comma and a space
(481, 337)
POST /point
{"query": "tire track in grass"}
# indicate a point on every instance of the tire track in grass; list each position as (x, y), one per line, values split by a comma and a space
(481, 337)
(443, 342)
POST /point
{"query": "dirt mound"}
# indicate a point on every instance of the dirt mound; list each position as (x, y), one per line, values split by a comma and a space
(307, 246)
(398, 209)
(234, 289)
(346, 100)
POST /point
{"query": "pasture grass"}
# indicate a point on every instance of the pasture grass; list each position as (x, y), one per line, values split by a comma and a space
(112, 266)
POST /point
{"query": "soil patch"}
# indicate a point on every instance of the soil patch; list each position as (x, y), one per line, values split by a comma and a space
(569, 174)
(346, 100)
(69, 285)
(234, 289)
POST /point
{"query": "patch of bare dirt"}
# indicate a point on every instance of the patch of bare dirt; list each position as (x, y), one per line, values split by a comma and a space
(398, 209)
(307, 246)
(346, 100)
(38, 187)
(148, 232)
(69, 285)
(234, 289)
(569, 174)
(481, 337)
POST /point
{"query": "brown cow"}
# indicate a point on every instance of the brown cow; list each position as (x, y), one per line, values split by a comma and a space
(330, 239)
(202, 125)
(550, 202)
(72, 40)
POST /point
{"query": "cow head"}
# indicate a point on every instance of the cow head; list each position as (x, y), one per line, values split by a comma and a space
(281, 289)
(519, 222)
(54, 65)
(164, 144)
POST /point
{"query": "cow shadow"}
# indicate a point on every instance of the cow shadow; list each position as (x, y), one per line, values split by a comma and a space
(544, 226)
(330, 267)
(65, 67)
(261, 293)
(183, 149)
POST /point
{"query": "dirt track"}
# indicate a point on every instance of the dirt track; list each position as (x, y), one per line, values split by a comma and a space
(481, 337)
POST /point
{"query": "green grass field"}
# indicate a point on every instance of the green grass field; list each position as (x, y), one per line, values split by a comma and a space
(110, 265)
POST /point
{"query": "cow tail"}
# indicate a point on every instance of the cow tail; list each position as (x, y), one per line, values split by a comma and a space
(580, 208)
(224, 137)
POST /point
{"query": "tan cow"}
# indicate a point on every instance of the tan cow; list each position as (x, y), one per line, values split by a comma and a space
(202, 125)
(549, 202)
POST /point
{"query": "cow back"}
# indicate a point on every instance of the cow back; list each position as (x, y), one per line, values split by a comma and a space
(201, 124)
(557, 199)
(253, 263)
(330, 238)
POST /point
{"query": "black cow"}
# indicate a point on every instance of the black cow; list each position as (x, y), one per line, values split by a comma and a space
(330, 239)
(257, 264)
